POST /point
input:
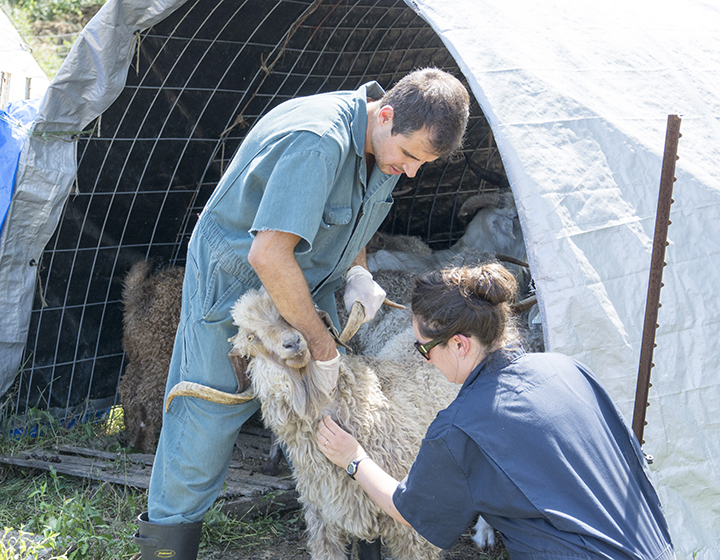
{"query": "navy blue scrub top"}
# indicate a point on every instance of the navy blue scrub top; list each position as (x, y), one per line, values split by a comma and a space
(535, 445)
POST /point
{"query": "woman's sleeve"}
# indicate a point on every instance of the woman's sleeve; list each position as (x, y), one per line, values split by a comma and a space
(435, 497)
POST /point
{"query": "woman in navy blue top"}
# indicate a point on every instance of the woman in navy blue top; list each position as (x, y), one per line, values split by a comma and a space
(532, 442)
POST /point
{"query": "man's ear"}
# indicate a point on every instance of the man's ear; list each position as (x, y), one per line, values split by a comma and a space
(386, 114)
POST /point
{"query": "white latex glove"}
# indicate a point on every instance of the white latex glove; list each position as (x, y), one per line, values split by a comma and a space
(327, 373)
(360, 286)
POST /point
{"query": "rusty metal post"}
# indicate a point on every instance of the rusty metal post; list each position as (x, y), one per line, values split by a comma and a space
(662, 221)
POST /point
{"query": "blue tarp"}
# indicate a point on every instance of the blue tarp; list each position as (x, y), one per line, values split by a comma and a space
(14, 127)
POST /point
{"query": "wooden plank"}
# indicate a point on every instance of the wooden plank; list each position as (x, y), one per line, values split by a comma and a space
(246, 492)
(144, 458)
(269, 503)
(118, 471)
(135, 469)
(238, 474)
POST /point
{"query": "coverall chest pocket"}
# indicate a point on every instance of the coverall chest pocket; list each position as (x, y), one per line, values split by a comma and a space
(334, 219)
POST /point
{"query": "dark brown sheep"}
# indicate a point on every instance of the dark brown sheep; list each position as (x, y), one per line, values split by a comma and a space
(152, 300)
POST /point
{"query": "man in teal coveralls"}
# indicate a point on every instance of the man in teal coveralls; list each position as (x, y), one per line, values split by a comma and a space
(307, 189)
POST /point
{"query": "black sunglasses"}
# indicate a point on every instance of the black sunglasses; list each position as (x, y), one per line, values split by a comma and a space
(424, 349)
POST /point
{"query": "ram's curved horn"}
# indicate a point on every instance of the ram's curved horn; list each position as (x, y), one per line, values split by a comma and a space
(523, 305)
(357, 318)
(190, 389)
(511, 260)
(354, 321)
(391, 303)
(402, 191)
(479, 201)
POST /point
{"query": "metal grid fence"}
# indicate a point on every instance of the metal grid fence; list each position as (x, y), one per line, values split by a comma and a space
(198, 82)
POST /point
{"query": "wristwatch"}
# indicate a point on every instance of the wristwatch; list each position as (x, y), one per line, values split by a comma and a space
(353, 467)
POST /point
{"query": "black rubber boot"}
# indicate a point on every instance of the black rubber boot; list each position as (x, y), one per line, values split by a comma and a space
(369, 550)
(179, 542)
(366, 550)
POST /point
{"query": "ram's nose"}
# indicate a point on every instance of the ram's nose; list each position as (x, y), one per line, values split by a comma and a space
(293, 343)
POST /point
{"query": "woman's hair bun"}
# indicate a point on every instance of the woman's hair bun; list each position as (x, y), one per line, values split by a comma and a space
(470, 300)
(491, 282)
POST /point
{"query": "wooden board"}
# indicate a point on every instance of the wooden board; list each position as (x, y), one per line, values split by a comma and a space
(245, 490)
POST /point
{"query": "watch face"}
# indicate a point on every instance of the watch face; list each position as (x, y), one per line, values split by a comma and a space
(353, 467)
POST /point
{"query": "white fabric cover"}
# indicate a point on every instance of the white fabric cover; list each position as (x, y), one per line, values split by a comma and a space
(17, 60)
(578, 95)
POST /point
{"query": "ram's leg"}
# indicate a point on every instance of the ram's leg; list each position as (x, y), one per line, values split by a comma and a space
(369, 550)
(484, 535)
(325, 542)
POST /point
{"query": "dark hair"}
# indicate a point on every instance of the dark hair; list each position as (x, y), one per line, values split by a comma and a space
(466, 300)
(433, 99)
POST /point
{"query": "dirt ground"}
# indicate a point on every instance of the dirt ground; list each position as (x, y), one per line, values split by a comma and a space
(292, 546)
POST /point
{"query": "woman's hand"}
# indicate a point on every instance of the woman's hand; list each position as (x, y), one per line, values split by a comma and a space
(342, 449)
(336, 444)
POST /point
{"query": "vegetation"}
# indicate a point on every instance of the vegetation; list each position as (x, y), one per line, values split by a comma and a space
(50, 27)
(49, 515)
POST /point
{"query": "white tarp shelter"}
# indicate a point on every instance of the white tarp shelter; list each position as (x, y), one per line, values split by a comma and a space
(578, 95)
(16, 59)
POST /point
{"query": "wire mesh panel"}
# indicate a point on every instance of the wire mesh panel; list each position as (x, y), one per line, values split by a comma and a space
(199, 80)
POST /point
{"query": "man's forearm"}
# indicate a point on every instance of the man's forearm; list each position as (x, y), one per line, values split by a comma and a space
(273, 260)
(361, 259)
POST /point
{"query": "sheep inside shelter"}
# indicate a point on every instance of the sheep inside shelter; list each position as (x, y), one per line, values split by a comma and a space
(152, 301)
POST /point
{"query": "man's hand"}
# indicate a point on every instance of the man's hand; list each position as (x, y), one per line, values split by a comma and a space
(360, 286)
(328, 372)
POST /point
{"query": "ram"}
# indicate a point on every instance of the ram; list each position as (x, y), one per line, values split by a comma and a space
(386, 404)
(493, 231)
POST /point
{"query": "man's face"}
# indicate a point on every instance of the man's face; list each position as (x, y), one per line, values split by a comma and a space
(396, 154)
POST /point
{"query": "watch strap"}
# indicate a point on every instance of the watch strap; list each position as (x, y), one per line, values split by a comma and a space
(352, 468)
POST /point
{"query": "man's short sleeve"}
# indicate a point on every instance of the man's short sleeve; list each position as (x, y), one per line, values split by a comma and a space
(294, 197)
(435, 497)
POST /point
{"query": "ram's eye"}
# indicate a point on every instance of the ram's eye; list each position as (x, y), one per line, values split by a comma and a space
(250, 337)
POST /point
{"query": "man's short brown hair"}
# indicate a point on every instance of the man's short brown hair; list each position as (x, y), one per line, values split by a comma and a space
(433, 99)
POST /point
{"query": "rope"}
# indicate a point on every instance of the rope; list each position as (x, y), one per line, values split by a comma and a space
(45, 134)
(36, 264)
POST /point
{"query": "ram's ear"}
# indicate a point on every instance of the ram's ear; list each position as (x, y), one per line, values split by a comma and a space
(299, 399)
(239, 364)
(318, 390)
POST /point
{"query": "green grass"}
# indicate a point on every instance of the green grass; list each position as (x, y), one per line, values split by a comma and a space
(80, 519)
(51, 10)
(74, 517)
